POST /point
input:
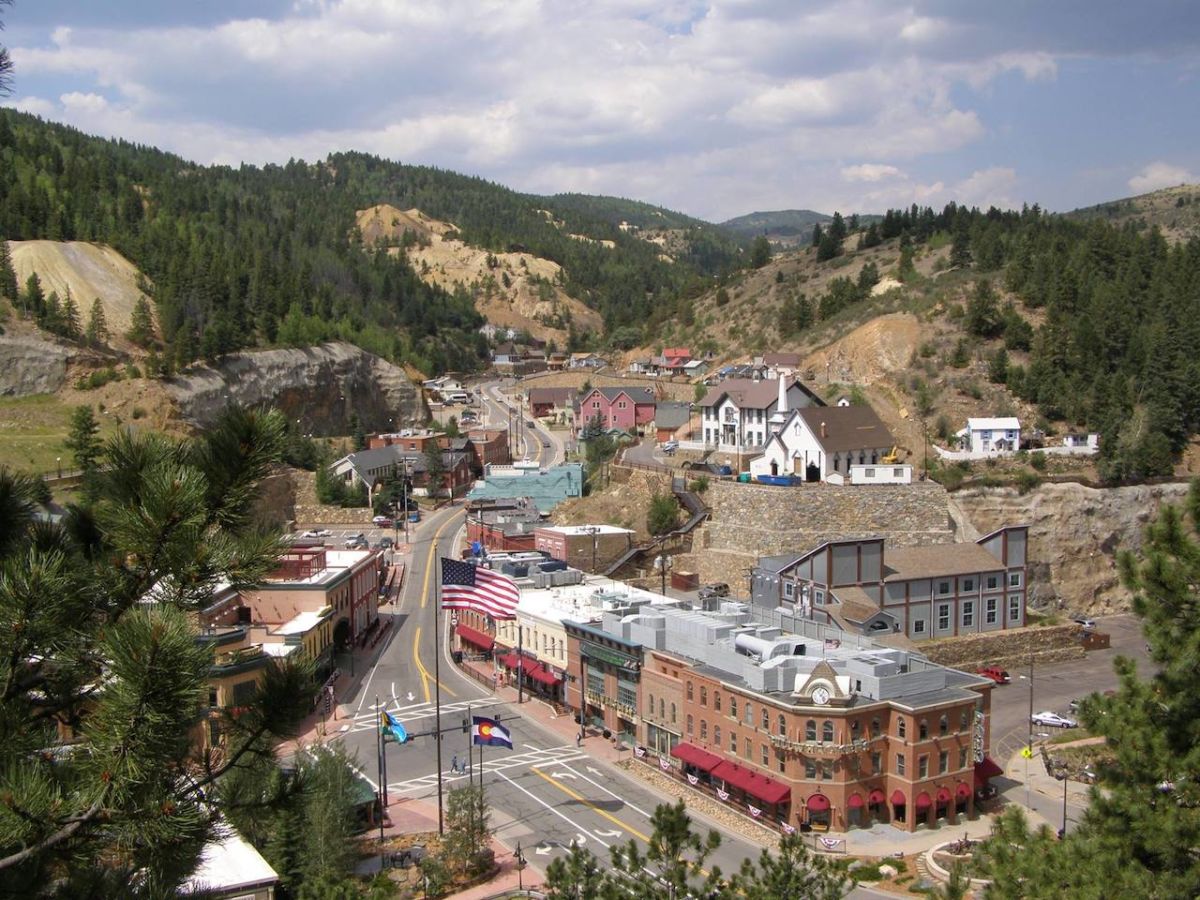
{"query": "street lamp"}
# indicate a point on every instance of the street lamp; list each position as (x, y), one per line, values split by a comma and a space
(520, 858)
(594, 531)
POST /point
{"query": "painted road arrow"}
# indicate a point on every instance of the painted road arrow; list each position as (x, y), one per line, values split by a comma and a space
(609, 834)
(570, 775)
(546, 847)
(595, 772)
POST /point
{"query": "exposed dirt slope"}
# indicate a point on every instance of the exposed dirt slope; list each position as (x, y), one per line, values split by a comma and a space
(872, 352)
(85, 271)
(514, 290)
(1175, 210)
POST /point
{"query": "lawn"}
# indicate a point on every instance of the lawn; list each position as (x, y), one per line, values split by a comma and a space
(32, 431)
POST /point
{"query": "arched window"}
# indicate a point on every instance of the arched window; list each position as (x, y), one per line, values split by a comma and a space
(854, 730)
(766, 719)
(901, 727)
(810, 730)
(923, 729)
(672, 713)
(717, 700)
(875, 727)
(782, 725)
(703, 696)
(689, 724)
(703, 730)
(662, 708)
(650, 708)
(827, 731)
(943, 724)
(689, 691)
(749, 713)
(717, 735)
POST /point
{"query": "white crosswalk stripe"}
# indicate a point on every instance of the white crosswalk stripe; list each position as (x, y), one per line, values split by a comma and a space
(367, 718)
(501, 762)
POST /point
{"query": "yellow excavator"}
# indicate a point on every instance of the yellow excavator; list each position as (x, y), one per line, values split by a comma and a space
(889, 459)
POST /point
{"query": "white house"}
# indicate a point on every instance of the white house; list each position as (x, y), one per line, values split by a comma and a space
(1089, 441)
(997, 435)
(736, 415)
(818, 442)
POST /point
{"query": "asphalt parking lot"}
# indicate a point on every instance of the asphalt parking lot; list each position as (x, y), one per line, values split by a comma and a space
(1055, 685)
(339, 534)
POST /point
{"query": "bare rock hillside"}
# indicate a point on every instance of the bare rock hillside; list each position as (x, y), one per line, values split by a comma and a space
(318, 387)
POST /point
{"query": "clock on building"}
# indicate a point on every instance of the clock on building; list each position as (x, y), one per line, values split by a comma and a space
(820, 695)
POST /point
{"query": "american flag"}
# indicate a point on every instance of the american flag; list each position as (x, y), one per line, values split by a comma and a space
(465, 586)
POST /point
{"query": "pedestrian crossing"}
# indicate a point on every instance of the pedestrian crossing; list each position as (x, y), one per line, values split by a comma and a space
(413, 716)
(494, 761)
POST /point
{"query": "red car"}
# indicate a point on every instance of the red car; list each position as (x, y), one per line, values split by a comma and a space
(995, 673)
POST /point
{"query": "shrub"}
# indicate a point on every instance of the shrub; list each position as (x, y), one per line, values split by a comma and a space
(138, 412)
(1038, 461)
(1027, 481)
(699, 486)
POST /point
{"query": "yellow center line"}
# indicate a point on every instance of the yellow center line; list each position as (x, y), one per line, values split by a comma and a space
(421, 670)
(589, 804)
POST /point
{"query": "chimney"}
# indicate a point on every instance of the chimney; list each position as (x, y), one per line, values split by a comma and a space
(782, 404)
(824, 433)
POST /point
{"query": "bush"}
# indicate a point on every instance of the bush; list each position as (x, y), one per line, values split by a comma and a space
(138, 412)
(1027, 481)
(1038, 461)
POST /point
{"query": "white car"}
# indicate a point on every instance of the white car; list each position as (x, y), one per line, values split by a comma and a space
(318, 533)
(1053, 719)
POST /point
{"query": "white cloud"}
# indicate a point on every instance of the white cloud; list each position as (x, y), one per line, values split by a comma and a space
(871, 172)
(1158, 175)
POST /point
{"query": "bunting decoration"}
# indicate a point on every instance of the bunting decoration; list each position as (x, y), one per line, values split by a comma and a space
(754, 810)
(789, 829)
(639, 752)
(692, 779)
(664, 762)
(724, 795)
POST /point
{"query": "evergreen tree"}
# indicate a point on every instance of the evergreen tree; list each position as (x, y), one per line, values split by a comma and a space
(960, 248)
(70, 318)
(983, 317)
(33, 302)
(760, 252)
(129, 676)
(906, 269)
(83, 438)
(97, 326)
(435, 468)
(870, 238)
(794, 871)
(8, 275)
(817, 235)
(663, 516)
(328, 821)
(998, 367)
(577, 877)
(676, 855)
(141, 325)
(1139, 833)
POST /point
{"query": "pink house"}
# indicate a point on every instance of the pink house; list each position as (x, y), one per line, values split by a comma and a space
(617, 407)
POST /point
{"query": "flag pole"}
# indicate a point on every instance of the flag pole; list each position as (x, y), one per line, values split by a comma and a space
(379, 767)
(437, 683)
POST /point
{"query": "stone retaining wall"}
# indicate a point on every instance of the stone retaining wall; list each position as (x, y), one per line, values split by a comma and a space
(1008, 649)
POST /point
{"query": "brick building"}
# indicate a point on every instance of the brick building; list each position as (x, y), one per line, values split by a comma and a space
(590, 548)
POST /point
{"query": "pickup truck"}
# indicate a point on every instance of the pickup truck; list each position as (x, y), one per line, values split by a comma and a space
(995, 673)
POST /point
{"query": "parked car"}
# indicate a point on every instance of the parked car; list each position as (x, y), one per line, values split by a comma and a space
(1088, 624)
(382, 521)
(317, 533)
(414, 516)
(670, 446)
(1053, 720)
(386, 543)
(995, 673)
(716, 589)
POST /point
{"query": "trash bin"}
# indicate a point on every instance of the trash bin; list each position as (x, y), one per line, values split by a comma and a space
(744, 477)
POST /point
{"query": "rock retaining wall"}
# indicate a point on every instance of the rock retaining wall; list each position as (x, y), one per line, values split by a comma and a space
(1008, 649)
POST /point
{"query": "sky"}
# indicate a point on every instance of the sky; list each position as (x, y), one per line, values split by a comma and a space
(715, 108)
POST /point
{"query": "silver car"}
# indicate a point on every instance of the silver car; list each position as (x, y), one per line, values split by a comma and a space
(1053, 720)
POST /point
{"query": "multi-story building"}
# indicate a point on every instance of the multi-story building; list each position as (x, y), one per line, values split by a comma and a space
(735, 416)
(813, 443)
(801, 730)
(491, 446)
(940, 590)
(587, 547)
(617, 407)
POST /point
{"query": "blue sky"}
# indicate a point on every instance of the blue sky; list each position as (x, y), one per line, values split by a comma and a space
(712, 107)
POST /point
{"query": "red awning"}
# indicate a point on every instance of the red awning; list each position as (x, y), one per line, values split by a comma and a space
(509, 660)
(876, 797)
(943, 796)
(694, 756)
(898, 798)
(542, 676)
(819, 803)
(856, 801)
(985, 770)
(474, 636)
(963, 791)
(923, 801)
(766, 789)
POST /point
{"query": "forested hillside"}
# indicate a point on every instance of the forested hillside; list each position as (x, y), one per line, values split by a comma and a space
(266, 256)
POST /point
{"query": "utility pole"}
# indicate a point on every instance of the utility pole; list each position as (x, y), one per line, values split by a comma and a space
(520, 663)
(437, 680)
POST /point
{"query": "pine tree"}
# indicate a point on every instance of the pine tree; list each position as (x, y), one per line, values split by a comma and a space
(97, 326)
(676, 855)
(70, 318)
(794, 871)
(435, 468)
(960, 249)
(33, 301)
(983, 317)
(760, 252)
(141, 325)
(577, 877)
(8, 275)
(83, 439)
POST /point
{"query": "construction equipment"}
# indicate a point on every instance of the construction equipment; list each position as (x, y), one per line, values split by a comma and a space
(889, 459)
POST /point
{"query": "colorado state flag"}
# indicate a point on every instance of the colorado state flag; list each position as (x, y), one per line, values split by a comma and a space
(489, 733)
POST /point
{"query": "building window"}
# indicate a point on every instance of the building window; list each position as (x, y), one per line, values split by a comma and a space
(968, 614)
(943, 762)
(962, 757)
(899, 763)
(876, 763)
(993, 582)
(1014, 579)
(749, 713)
(943, 617)
(923, 730)
(662, 712)
(826, 770)
(1014, 608)
(901, 728)
(819, 598)
(672, 713)
(689, 691)
(810, 768)
(870, 473)
(717, 735)
(782, 761)
(789, 589)
(704, 696)
(732, 704)
(717, 701)
(810, 730)
(212, 697)
(854, 730)
(703, 730)
(964, 720)
(733, 743)
(919, 626)
(827, 731)
(750, 749)
(943, 587)
(991, 611)
(782, 725)
(689, 724)
(923, 766)
(968, 585)
(766, 756)
(943, 724)
(875, 730)
(650, 705)
(766, 719)
(595, 682)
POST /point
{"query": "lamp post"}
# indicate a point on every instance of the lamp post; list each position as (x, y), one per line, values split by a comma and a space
(594, 531)
(1063, 833)
(58, 459)
(520, 858)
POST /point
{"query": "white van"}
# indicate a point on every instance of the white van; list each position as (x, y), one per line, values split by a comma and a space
(458, 397)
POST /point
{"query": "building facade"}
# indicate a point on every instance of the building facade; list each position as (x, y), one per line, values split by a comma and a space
(624, 408)
(589, 548)
(735, 416)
